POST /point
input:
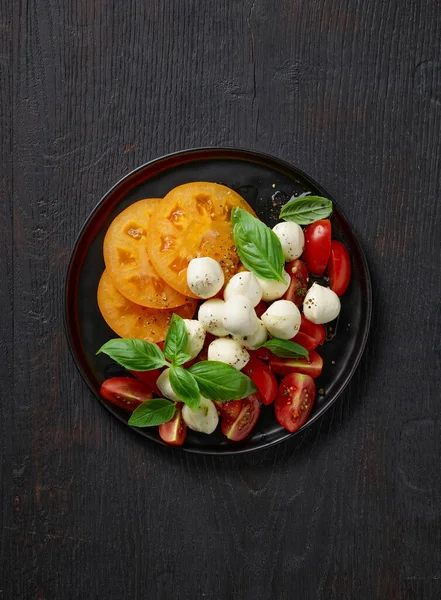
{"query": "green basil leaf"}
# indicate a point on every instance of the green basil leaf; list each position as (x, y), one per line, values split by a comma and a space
(185, 387)
(306, 210)
(134, 354)
(181, 358)
(176, 339)
(285, 348)
(257, 245)
(153, 412)
(221, 382)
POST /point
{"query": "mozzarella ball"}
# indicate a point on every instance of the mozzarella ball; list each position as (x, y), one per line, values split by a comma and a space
(205, 277)
(229, 352)
(271, 290)
(244, 284)
(203, 419)
(282, 319)
(163, 383)
(210, 316)
(321, 304)
(196, 337)
(259, 336)
(239, 316)
(291, 238)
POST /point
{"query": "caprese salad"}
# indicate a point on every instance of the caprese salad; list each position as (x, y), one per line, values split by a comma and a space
(218, 313)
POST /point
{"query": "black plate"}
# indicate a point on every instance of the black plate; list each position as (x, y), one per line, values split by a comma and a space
(266, 183)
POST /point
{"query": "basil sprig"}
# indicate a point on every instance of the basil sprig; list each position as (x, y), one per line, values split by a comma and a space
(153, 412)
(257, 245)
(214, 380)
(306, 209)
(285, 348)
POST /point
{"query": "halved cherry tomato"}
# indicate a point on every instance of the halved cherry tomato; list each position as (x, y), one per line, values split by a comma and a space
(310, 335)
(311, 366)
(298, 286)
(149, 378)
(294, 400)
(127, 261)
(317, 246)
(125, 392)
(263, 378)
(193, 220)
(237, 429)
(260, 308)
(174, 432)
(339, 268)
(261, 353)
(229, 410)
(130, 320)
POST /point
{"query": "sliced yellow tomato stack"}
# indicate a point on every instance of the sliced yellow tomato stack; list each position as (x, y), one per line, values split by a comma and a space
(147, 249)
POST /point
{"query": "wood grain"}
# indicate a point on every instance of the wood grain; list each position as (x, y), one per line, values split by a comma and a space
(351, 93)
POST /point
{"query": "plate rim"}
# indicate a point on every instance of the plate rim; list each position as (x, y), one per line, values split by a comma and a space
(243, 448)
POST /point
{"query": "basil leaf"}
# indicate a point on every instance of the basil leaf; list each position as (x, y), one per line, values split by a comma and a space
(185, 387)
(153, 412)
(306, 210)
(181, 358)
(134, 354)
(221, 382)
(176, 338)
(257, 245)
(285, 348)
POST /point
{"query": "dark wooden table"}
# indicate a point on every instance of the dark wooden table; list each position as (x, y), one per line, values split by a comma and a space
(348, 91)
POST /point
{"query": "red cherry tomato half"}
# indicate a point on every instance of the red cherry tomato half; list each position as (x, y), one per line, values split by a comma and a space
(298, 286)
(261, 353)
(339, 268)
(317, 246)
(311, 366)
(260, 308)
(263, 378)
(310, 335)
(237, 429)
(125, 392)
(174, 432)
(229, 410)
(294, 400)
(149, 378)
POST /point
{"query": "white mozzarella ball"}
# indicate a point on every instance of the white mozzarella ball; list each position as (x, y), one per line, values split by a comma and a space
(211, 315)
(163, 383)
(244, 284)
(203, 419)
(259, 336)
(205, 277)
(239, 316)
(196, 337)
(291, 238)
(271, 290)
(229, 352)
(321, 304)
(282, 319)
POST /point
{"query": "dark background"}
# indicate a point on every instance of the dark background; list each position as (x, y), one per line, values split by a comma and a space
(350, 92)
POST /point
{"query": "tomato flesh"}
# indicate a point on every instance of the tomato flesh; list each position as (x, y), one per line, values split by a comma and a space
(125, 392)
(237, 429)
(310, 335)
(149, 378)
(263, 378)
(229, 410)
(260, 308)
(174, 432)
(294, 400)
(298, 286)
(261, 353)
(339, 268)
(317, 246)
(311, 366)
